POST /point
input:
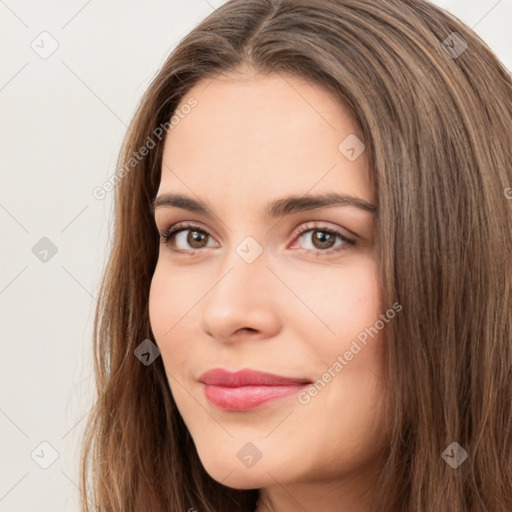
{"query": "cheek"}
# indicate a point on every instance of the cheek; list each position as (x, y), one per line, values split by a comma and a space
(345, 300)
(174, 303)
(346, 344)
(166, 304)
(159, 295)
(172, 294)
(358, 306)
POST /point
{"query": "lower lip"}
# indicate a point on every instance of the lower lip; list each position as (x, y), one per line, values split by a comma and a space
(246, 398)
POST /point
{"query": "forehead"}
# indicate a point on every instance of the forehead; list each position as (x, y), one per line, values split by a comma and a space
(260, 136)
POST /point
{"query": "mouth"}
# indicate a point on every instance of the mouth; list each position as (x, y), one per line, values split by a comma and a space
(247, 389)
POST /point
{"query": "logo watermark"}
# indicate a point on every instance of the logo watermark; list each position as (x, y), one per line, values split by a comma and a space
(304, 397)
(100, 192)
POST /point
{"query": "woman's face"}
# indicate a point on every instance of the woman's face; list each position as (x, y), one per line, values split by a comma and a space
(241, 288)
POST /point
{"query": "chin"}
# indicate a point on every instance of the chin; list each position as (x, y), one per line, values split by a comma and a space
(233, 473)
(236, 477)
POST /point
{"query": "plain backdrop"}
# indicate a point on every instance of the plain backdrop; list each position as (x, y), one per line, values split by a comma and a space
(71, 74)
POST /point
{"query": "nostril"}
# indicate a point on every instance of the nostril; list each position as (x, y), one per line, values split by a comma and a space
(249, 329)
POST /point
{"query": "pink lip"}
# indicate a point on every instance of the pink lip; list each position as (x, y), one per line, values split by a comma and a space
(247, 389)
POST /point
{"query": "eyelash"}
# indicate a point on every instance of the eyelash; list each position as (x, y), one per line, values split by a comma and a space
(169, 233)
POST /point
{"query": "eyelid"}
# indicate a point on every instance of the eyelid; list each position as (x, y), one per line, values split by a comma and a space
(320, 225)
(174, 229)
(178, 227)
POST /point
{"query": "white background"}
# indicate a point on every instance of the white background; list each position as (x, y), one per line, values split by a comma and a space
(62, 121)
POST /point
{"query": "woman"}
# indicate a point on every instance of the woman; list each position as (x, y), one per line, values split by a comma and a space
(308, 301)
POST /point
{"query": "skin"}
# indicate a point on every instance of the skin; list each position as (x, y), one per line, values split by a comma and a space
(292, 311)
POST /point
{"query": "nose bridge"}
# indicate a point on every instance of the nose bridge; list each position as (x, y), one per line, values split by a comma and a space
(244, 266)
(242, 295)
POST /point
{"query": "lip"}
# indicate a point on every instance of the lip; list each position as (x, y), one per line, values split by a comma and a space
(247, 389)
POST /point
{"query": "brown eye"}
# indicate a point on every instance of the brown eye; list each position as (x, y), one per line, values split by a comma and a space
(196, 238)
(185, 238)
(188, 238)
(323, 239)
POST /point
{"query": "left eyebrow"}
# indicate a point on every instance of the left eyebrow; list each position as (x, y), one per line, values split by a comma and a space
(277, 208)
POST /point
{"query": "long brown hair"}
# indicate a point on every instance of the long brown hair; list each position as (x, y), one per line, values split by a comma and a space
(435, 107)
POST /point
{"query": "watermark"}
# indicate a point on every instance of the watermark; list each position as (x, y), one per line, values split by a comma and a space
(508, 192)
(44, 44)
(100, 192)
(455, 45)
(44, 454)
(249, 249)
(304, 397)
(351, 147)
(147, 352)
(249, 454)
(454, 455)
(44, 250)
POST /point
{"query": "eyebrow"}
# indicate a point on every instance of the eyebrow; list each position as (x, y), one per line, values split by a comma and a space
(277, 208)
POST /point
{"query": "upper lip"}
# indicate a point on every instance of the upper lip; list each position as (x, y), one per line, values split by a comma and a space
(247, 377)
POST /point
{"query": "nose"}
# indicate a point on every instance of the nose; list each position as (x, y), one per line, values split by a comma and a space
(242, 302)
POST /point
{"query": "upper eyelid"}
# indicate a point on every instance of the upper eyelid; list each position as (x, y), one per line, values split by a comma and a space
(306, 227)
(304, 215)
